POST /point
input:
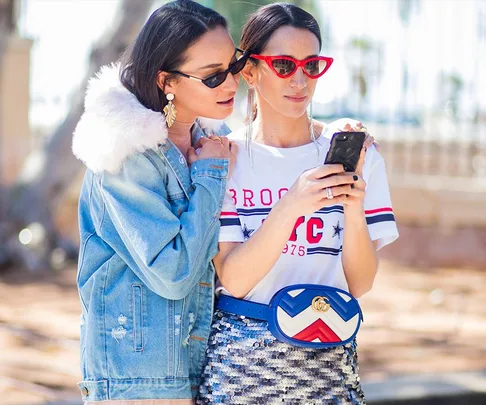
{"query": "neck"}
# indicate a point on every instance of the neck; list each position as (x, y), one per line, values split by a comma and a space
(180, 134)
(272, 129)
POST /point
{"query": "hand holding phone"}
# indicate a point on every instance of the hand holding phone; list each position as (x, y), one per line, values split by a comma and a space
(345, 149)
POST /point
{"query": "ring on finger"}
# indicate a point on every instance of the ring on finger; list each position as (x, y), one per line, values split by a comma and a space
(329, 195)
(217, 139)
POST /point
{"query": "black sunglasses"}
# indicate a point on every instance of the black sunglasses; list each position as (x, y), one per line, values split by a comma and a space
(218, 78)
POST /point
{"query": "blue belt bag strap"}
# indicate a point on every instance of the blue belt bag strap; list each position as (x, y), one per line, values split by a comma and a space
(305, 315)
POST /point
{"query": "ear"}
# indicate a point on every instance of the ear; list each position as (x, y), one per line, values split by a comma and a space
(249, 73)
(164, 83)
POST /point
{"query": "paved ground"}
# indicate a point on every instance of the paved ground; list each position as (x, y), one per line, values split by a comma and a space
(421, 326)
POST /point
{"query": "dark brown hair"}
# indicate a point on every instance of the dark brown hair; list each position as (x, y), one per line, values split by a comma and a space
(267, 19)
(162, 45)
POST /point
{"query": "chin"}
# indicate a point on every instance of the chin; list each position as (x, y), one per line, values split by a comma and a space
(295, 113)
(219, 115)
(292, 111)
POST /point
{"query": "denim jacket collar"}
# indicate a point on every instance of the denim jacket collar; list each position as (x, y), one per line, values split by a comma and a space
(115, 125)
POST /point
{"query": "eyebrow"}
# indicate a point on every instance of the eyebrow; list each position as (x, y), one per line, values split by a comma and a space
(211, 66)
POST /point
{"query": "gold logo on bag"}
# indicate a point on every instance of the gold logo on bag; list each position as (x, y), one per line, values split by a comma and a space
(321, 304)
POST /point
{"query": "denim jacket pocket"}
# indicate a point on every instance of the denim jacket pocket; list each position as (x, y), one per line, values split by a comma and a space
(137, 317)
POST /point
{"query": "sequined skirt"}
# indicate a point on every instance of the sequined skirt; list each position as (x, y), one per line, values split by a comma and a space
(246, 364)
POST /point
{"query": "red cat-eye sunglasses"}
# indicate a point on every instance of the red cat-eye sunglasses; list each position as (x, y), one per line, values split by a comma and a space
(286, 66)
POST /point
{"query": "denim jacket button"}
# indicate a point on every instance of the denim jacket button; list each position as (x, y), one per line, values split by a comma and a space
(84, 391)
(182, 160)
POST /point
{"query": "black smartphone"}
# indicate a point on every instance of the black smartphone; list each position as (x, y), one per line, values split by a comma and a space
(345, 149)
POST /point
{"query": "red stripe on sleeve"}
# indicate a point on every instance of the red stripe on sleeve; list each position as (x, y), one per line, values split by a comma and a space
(376, 211)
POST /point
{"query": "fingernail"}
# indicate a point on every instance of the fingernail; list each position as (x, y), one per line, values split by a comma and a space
(355, 178)
(352, 185)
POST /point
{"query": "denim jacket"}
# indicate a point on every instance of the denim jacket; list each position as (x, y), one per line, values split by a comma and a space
(148, 230)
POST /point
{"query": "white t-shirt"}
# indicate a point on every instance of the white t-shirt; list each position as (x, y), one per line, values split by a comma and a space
(314, 250)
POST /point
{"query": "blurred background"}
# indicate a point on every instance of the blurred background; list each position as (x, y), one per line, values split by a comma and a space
(413, 71)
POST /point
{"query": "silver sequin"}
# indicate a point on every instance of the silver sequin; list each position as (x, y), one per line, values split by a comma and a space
(246, 365)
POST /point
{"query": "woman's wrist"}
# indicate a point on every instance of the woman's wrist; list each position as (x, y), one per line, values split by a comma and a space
(285, 210)
(354, 215)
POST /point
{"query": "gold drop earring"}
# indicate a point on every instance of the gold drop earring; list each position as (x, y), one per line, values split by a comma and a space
(170, 111)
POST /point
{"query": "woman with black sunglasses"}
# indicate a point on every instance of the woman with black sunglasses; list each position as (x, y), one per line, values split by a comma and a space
(150, 205)
(290, 226)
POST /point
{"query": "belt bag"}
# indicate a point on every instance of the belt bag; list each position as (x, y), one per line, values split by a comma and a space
(304, 315)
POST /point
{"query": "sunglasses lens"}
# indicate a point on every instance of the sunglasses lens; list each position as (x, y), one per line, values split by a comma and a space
(283, 67)
(216, 80)
(238, 66)
(219, 78)
(315, 67)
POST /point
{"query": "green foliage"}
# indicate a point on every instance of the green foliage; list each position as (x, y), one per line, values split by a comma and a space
(456, 81)
(361, 43)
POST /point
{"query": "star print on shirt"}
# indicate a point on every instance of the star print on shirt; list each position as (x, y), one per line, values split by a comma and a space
(337, 231)
(247, 232)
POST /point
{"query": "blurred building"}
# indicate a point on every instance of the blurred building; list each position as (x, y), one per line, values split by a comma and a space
(15, 137)
(403, 60)
(413, 72)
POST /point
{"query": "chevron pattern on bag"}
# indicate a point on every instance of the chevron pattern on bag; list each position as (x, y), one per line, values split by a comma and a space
(299, 320)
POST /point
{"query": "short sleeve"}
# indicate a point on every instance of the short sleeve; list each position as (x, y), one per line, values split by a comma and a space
(378, 208)
(230, 230)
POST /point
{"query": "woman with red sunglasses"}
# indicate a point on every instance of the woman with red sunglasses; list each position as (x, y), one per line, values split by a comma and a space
(288, 219)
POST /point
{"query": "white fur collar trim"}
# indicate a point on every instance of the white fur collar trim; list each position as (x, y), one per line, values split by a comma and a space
(115, 125)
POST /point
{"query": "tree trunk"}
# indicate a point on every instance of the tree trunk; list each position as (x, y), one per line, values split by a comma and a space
(49, 171)
(6, 27)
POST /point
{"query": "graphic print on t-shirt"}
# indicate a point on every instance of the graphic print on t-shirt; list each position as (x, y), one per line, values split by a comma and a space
(308, 232)
(314, 248)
